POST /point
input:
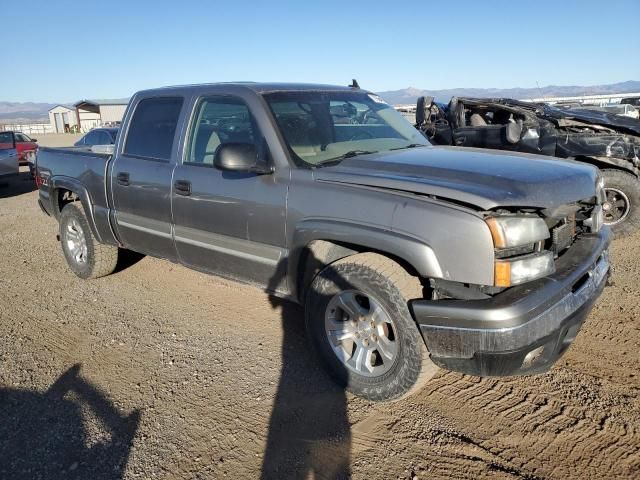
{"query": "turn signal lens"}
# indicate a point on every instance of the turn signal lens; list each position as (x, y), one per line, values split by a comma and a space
(503, 274)
(531, 267)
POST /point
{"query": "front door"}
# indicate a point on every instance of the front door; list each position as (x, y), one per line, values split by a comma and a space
(141, 178)
(229, 223)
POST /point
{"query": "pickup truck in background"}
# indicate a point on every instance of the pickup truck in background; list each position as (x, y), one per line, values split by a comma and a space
(24, 145)
(406, 257)
(98, 136)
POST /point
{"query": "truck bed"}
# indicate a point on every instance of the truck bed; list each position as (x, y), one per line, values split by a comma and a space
(78, 165)
(83, 172)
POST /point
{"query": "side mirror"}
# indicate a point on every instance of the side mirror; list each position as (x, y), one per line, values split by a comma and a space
(240, 157)
(423, 108)
(34, 140)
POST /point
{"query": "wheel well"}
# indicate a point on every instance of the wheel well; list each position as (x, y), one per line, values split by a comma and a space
(611, 164)
(319, 253)
(64, 196)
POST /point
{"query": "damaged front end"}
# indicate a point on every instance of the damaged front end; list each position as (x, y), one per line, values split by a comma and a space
(525, 327)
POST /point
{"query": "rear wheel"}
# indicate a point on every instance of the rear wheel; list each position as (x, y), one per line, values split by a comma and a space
(86, 257)
(622, 206)
(359, 323)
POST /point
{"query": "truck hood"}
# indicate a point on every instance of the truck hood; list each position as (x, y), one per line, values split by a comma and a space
(482, 178)
(618, 123)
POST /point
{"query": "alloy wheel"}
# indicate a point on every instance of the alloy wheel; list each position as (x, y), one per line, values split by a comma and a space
(361, 333)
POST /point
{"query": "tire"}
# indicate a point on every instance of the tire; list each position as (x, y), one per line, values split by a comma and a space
(623, 202)
(399, 362)
(86, 257)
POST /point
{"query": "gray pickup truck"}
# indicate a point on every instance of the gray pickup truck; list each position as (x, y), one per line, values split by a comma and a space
(407, 257)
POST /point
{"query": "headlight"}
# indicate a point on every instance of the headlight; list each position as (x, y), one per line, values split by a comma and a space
(517, 240)
(515, 231)
(596, 220)
(523, 269)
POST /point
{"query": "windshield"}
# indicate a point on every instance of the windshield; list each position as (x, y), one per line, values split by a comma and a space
(321, 127)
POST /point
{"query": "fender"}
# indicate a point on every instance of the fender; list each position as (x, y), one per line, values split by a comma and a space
(410, 250)
(75, 186)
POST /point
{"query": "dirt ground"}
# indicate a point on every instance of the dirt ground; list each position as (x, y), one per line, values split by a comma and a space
(58, 139)
(161, 372)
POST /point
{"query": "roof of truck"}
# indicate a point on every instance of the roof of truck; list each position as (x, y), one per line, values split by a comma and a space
(258, 87)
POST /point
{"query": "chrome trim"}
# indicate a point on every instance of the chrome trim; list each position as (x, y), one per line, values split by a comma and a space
(143, 224)
(144, 229)
(237, 247)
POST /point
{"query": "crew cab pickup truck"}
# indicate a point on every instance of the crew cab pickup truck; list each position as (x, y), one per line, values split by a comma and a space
(407, 257)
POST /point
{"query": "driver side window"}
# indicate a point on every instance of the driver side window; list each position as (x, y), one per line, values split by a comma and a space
(219, 120)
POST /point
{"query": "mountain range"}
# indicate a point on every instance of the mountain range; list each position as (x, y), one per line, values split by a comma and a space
(30, 112)
(409, 95)
(24, 112)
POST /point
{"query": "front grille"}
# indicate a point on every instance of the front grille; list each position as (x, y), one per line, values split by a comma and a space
(563, 235)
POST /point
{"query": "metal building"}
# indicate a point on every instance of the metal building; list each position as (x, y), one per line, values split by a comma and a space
(63, 118)
(99, 113)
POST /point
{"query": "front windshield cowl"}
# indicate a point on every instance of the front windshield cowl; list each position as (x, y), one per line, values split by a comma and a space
(323, 127)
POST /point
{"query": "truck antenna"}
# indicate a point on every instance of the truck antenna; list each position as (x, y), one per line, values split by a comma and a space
(354, 84)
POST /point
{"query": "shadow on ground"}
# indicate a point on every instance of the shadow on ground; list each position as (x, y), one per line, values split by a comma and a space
(309, 432)
(126, 259)
(45, 435)
(17, 185)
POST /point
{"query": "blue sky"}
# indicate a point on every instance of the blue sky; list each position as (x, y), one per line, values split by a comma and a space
(64, 51)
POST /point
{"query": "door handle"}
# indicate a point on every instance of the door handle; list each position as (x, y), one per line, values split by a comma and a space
(123, 178)
(183, 187)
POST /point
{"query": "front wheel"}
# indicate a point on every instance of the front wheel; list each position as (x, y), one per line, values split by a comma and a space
(359, 324)
(622, 205)
(86, 257)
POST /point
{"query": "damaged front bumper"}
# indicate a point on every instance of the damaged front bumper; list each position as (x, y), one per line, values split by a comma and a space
(525, 329)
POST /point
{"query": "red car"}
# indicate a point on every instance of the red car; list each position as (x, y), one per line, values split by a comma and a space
(25, 146)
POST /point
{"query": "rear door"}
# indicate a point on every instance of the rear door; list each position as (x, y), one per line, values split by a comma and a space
(229, 223)
(141, 177)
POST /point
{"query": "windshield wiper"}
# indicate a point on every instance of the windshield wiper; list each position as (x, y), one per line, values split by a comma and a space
(355, 153)
(411, 145)
(349, 154)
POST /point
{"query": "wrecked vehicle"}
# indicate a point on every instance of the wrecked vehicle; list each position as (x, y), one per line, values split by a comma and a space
(610, 142)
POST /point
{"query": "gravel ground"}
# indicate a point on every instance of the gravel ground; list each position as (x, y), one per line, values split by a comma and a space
(59, 139)
(162, 372)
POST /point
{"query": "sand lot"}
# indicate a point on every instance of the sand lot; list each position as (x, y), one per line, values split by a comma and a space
(58, 139)
(161, 372)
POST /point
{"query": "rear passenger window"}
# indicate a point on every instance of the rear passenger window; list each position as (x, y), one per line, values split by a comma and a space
(92, 138)
(105, 138)
(218, 121)
(153, 127)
